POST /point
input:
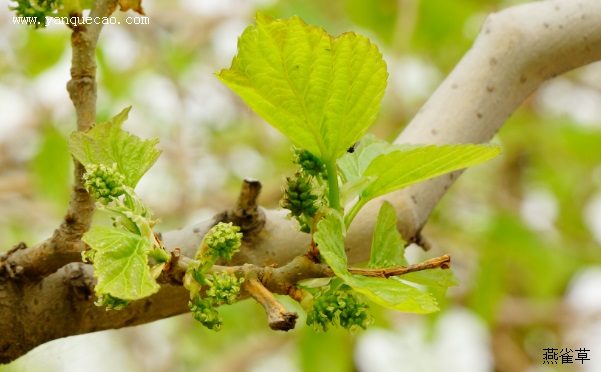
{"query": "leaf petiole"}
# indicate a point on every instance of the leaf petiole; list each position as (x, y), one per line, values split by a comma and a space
(352, 213)
(334, 190)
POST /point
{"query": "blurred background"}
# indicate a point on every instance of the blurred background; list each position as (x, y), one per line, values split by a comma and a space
(524, 230)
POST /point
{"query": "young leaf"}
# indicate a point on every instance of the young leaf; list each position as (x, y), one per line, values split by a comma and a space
(106, 143)
(393, 294)
(121, 263)
(321, 92)
(432, 278)
(353, 165)
(386, 292)
(351, 189)
(437, 281)
(388, 250)
(387, 247)
(398, 169)
(330, 241)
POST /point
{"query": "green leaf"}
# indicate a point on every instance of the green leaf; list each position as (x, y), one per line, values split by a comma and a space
(432, 278)
(330, 241)
(386, 292)
(398, 169)
(393, 294)
(121, 263)
(350, 190)
(321, 92)
(387, 247)
(353, 165)
(437, 281)
(106, 143)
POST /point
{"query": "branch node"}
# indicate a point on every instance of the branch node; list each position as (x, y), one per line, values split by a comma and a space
(313, 253)
(12, 269)
(80, 284)
(295, 293)
(423, 242)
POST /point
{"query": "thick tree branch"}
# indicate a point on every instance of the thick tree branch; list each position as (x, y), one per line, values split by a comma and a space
(516, 51)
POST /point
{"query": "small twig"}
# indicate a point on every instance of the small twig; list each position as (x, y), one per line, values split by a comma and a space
(262, 282)
(278, 317)
(82, 90)
(442, 262)
(281, 280)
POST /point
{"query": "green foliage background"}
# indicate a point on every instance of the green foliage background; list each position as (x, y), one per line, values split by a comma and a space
(515, 270)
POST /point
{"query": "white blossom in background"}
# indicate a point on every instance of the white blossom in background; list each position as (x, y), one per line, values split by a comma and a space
(539, 210)
(562, 96)
(592, 217)
(460, 343)
(412, 78)
(584, 298)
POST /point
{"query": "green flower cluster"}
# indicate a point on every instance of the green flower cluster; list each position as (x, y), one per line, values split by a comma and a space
(309, 163)
(305, 192)
(223, 240)
(203, 311)
(36, 9)
(298, 197)
(224, 288)
(104, 182)
(338, 307)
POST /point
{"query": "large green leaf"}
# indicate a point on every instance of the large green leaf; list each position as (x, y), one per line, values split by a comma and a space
(321, 92)
(386, 292)
(121, 263)
(106, 143)
(387, 247)
(400, 169)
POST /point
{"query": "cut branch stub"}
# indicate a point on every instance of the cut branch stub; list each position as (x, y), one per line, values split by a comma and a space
(246, 212)
(278, 317)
